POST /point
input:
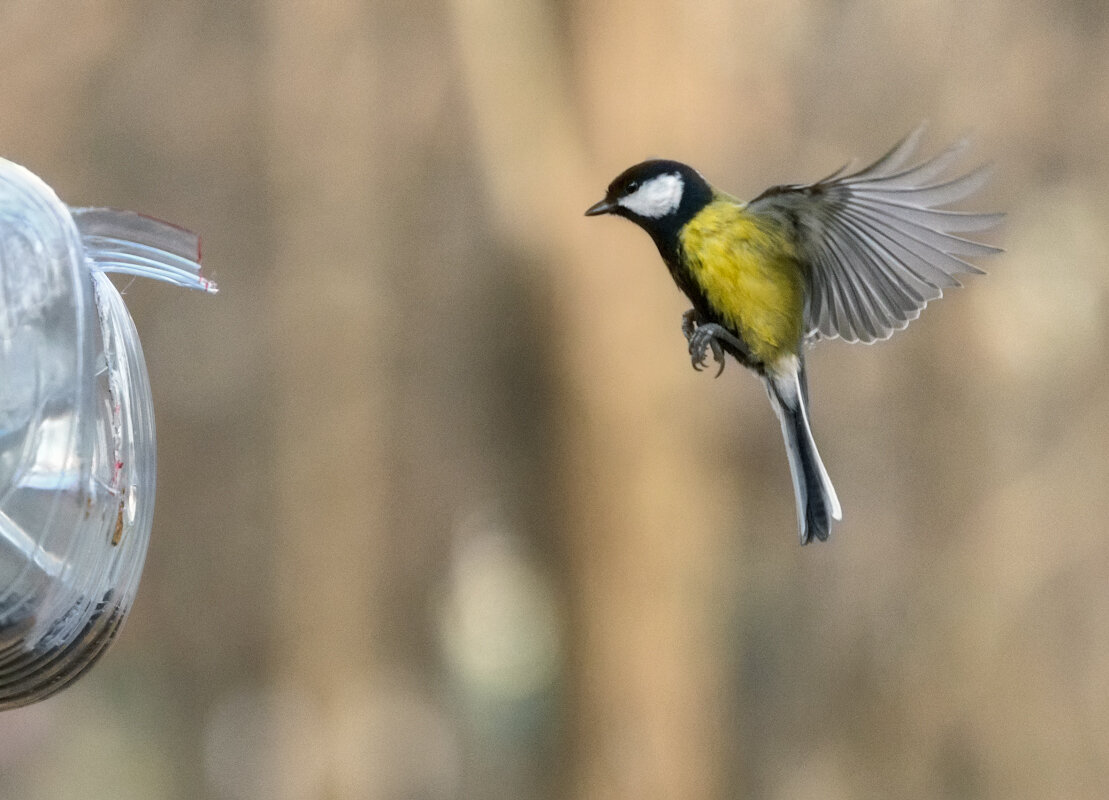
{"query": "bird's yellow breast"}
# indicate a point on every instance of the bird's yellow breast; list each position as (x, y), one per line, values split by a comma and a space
(747, 269)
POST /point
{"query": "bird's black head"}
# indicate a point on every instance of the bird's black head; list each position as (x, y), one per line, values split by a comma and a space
(659, 196)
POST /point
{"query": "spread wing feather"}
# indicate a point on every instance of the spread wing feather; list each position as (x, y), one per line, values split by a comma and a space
(876, 245)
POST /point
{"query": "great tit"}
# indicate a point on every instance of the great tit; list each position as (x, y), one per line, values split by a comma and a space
(855, 256)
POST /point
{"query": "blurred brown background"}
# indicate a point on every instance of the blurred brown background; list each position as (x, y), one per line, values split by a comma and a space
(444, 512)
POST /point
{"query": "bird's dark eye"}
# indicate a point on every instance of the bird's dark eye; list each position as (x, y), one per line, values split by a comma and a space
(631, 188)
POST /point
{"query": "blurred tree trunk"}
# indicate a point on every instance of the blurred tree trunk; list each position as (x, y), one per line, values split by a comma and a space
(647, 717)
(332, 380)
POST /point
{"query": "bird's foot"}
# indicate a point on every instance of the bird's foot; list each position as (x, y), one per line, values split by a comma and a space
(702, 339)
(689, 324)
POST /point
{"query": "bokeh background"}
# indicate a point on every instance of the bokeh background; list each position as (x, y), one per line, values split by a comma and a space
(443, 511)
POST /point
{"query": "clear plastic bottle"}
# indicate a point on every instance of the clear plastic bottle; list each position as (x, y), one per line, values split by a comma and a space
(77, 448)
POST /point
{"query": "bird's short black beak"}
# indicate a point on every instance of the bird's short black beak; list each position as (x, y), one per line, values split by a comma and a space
(603, 207)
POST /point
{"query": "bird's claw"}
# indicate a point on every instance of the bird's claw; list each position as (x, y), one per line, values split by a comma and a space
(702, 339)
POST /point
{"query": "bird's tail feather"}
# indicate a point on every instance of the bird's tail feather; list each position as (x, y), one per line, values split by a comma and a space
(817, 504)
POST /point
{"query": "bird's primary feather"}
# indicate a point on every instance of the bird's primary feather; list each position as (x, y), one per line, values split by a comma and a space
(875, 246)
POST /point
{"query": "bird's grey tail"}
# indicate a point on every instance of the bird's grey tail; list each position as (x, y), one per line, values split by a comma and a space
(817, 504)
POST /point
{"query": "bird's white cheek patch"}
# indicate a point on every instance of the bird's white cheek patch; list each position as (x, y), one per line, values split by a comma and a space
(657, 197)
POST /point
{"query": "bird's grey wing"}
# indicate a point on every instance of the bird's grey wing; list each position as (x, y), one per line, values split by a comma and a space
(876, 245)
